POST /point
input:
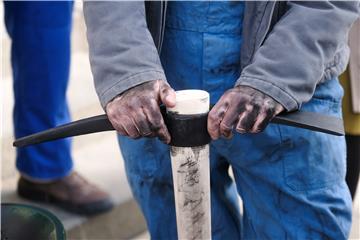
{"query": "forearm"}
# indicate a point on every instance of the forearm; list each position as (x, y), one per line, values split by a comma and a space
(122, 51)
(295, 55)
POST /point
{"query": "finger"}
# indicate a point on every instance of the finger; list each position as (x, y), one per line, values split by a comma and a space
(268, 111)
(142, 123)
(214, 119)
(119, 128)
(130, 128)
(266, 115)
(248, 119)
(114, 120)
(262, 120)
(230, 118)
(279, 108)
(167, 95)
(156, 122)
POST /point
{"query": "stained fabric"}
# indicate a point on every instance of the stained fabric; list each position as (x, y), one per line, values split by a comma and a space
(40, 58)
(291, 180)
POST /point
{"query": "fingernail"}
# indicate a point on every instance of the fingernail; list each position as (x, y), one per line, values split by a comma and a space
(240, 130)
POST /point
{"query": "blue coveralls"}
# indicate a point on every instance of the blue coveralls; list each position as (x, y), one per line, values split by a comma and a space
(291, 180)
(40, 58)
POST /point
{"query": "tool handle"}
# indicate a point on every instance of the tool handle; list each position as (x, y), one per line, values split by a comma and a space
(100, 123)
(84, 126)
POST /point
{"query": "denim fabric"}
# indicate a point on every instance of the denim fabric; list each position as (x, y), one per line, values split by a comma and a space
(40, 58)
(211, 32)
(291, 181)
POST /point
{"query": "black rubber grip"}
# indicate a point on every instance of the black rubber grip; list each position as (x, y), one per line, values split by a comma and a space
(187, 130)
(306, 120)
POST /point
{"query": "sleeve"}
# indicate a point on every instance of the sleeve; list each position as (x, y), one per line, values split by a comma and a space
(302, 46)
(122, 51)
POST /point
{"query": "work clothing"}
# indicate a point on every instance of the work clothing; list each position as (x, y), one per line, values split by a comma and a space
(284, 59)
(292, 181)
(211, 36)
(40, 58)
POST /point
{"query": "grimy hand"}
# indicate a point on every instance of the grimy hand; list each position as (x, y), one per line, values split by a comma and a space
(245, 108)
(136, 112)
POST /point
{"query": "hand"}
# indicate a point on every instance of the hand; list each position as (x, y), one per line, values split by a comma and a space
(136, 112)
(244, 107)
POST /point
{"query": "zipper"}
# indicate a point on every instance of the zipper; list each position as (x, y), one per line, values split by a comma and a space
(162, 24)
(256, 46)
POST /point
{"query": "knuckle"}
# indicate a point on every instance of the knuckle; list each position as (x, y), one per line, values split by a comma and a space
(132, 104)
(110, 113)
(249, 107)
(156, 125)
(164, 89)
(258, 104)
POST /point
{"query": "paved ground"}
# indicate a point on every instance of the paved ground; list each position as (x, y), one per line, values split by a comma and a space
(96, 156)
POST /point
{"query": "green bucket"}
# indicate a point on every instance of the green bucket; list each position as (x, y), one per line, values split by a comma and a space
(20, 222)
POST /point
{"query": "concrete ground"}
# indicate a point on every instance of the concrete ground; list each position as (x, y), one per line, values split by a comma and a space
(96, 156)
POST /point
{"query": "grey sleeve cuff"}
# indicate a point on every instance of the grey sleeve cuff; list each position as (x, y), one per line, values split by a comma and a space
(270, 89)
(121, 85)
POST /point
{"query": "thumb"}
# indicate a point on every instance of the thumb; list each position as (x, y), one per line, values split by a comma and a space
(167, 95)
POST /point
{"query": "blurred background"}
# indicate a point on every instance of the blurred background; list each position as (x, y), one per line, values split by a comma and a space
(96, 156)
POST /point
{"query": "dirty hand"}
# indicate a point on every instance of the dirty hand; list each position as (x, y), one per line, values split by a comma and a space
(136, 112)
(245, 108)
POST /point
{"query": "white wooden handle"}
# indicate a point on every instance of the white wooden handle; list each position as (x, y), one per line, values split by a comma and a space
(191, 174)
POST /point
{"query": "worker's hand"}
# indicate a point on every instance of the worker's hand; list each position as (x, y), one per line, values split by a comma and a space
(245, 108)
(136, 112)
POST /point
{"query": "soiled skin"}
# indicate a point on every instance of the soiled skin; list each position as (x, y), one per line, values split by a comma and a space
(242, 107)
(136, 112)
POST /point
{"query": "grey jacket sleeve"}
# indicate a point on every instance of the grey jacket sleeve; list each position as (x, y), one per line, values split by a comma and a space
(300, 50)
(118, 67)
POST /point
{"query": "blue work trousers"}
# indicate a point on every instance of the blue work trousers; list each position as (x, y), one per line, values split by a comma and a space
(40, 58)
(291, 180)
